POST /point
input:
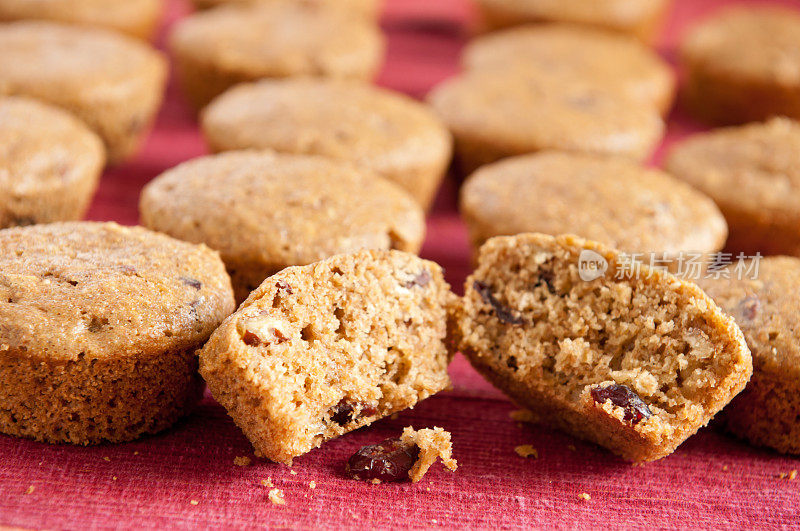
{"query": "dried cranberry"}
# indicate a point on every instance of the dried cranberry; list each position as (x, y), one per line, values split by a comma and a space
(623, 396)
(250, 339)
(749, 307)
(421, 280)
(388, 461)
(192, 282)
(503, 313)
(343, 412)
(284, 286)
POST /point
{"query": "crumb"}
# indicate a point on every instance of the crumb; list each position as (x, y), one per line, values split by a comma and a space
(394, 416)
(584, 496)
(267, 482)
(522, 415)
(376, 481)
(136, 453)
(30, 490)
(792, 475)
(292, 472)
(114, 478)
(432, 443)
(526, 450)
(428, 489)
(193, 502)
(312, 484)
(276, 497)
(571, 448)
(724, 468)
(106, 458)
(782, 475)
(40, 463)
(433, 521)
(242, 461)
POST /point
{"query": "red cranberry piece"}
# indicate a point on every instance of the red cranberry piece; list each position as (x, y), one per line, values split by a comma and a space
(344, 412)
(502, 312)
(623, 396)
(388, 461)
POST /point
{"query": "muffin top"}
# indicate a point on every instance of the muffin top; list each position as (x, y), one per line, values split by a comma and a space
(278, 210)
(621, 13)
(279, 39)
(58, 62)
(83, 290)
(766, 309)
(44, 148)
(755, 167)
(751, 43)
(610, 200)
(610, 60)
(369, 8)
(133, 16)
(379, 129)
(524, 111)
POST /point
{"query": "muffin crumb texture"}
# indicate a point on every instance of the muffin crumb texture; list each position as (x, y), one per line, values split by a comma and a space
(433, 444)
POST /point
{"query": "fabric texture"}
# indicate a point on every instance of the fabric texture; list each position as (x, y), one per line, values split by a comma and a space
(186, 477)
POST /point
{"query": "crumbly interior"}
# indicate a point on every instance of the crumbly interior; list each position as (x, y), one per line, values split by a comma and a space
(550, 338)
(321, 350)
(432, 443)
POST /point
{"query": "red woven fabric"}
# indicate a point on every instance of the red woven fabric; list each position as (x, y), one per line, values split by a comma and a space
(711, 481)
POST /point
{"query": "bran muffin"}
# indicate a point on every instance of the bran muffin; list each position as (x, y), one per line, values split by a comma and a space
(640, 18)
(98, 330)
(615, 61)
(113, 83)
(378, 129)
(50, 163)
(137, 18)
(753, 173)
(320, 350)
(266, 211)
(493, 115)
(743, 65)
(219, 48)
(629, 357)
(368, 8)
(766, 309)
(607, 199)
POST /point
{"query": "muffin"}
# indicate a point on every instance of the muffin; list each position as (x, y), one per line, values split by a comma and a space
(50, 163)
(753, 173)
(368, 8)
(617, 62)
(217, 49)
(113, 83)
(321, 350)
(610, 200)
(100, 324)
(377, 129)
(266, 211)
(493, 115)
(137, 18)
(763, 298)
(636, 362)
(640, 18)
(743, 65)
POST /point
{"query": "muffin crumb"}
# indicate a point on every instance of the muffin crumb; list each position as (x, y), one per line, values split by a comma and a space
(432, 443)
(242, 461)
(526, 450)
(584, 496)
(276, 497)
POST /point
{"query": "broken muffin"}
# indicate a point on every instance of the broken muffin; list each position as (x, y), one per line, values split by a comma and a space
(609, 350)
(320, 350)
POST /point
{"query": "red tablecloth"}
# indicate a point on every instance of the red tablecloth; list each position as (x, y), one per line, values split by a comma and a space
(185, 477)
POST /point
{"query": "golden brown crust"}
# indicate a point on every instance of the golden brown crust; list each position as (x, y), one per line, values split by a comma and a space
(217, 49)
(137, 18)
(610, 200)
(381, 130)
(752, 173)
(289, 210)
(614, 62)
(551, 339)
(764, 301)
(499, 114)
(743, 65)
(108, 319)
(320, 350)
(113, 83)
(50, 163)
(367, 8)
(640, 18)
